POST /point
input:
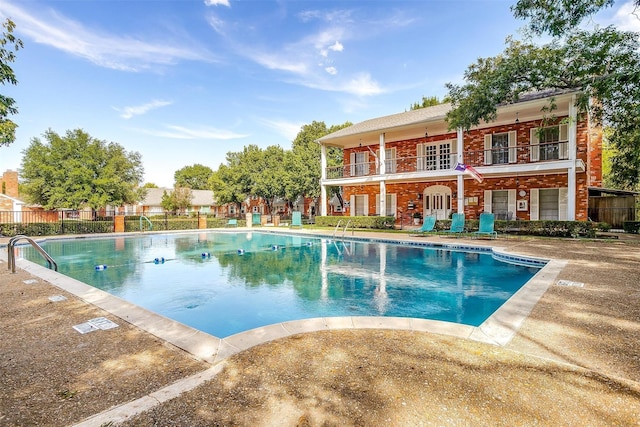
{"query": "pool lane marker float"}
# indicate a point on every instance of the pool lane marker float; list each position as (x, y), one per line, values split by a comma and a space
(101, 267)
(240, 251)
(275, 247)
(206, 255)
(160, 260)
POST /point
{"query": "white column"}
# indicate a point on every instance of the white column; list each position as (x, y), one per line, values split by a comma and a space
(382, 168)
(571, 172)
(460, 158)
(323, 177)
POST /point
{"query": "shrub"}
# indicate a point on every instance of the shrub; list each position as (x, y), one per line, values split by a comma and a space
(632, 227)
(377, 222)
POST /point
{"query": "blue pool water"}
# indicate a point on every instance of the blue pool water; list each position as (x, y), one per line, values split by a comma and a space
(201, 280)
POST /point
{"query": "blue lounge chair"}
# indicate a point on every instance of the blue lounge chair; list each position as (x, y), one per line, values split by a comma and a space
(296, 219)
(486, 228)
(428, 226)
(232, 222)
(256, 219)
(457, 224)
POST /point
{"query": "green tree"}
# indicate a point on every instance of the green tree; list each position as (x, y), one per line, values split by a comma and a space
(428, 101)
(149, 185)
(268, 174)
(178, 200)
(9, 45)
(601, 63)
(232, 182)
(195, 177)
(303, 161)
(75, 171)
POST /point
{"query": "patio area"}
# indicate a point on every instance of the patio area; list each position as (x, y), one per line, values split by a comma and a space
(573, 362)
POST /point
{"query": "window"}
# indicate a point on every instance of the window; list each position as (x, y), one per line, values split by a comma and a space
(500, 148)
(360, 163)
(549, 204)
(500, 203)
(390, 205)
(389, 162)
(359, 206)
(549, 143)
(436, 156)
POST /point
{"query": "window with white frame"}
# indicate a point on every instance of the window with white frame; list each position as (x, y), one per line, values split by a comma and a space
(389, 161)
(360, 163)
(500, 202)
(390, 208)
(359, 205)
(549, 143)
(435, 156)
(500, 148)
(549, 204)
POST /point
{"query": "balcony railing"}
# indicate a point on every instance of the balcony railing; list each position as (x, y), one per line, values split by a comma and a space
(547, 152)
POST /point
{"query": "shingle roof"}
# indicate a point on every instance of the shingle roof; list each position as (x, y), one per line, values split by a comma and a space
(437, 112)
(421, 115)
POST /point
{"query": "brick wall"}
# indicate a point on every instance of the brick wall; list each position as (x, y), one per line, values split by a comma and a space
(589, 150)
(9, 183)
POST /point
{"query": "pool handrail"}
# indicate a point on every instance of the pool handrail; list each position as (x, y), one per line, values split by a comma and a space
(148, 220)
(11, 258)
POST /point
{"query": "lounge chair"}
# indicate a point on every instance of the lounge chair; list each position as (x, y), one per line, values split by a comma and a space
(486, 228)
(256, 219)
(457, 224)
(428, 226)
(296, 219)
(232, 222)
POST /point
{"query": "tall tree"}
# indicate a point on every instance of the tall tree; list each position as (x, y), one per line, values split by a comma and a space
(9, 45)
(603, 64)
(195, 177)
(268, 174)
(303, 161)
(75, 171)
(177, 200)
(428, 101)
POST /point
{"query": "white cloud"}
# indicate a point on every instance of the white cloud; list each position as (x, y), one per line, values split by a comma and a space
(279, 62)
(217, 24)
(627, 18)
(287, 129)
(331, 70)
(137, 110)
(181, 132)
(337, 47)
(126, 53)
(217, 2)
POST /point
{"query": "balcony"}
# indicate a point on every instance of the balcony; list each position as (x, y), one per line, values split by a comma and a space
(507, 156)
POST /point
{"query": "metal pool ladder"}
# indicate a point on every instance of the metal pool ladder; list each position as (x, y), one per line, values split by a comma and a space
(11, 257)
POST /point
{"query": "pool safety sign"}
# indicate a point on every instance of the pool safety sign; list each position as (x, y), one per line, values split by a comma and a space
(95, 324)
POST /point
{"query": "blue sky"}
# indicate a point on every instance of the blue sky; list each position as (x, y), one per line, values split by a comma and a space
(186, 81)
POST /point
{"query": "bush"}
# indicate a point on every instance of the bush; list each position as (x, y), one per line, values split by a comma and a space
(632, 227)
(376, 222)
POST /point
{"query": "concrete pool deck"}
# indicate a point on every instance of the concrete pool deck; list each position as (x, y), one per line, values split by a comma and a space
(594, 336)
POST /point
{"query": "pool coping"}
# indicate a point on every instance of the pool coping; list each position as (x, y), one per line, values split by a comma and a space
(498, 329)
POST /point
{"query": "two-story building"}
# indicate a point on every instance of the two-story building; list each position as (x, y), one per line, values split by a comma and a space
(528, 167)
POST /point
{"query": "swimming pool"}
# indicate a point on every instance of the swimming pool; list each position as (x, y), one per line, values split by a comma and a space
(227, 282)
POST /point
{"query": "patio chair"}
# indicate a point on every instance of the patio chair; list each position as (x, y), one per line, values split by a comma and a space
(486, 228)
(428, 226)
(232, 222)
(457, 224)
(296, 219)
(256, 219)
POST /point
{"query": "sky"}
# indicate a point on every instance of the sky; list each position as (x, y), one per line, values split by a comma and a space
(184, 82)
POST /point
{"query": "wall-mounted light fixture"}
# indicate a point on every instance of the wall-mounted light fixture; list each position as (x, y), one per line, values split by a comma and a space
(426, 133)
(517, 119)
